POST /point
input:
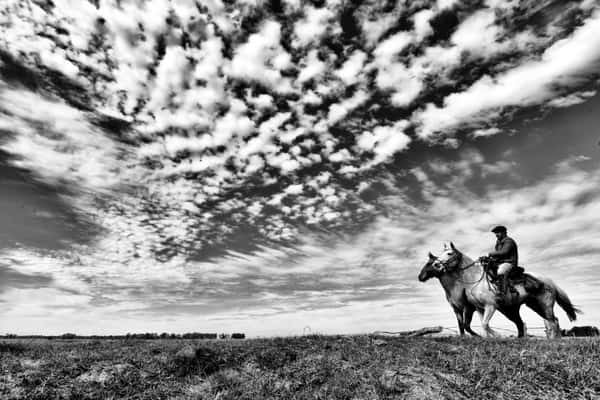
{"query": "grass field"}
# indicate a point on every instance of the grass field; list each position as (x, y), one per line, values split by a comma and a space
(308, 367)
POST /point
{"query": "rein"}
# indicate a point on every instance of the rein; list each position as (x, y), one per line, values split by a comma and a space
(458, 261)
(459, 258)
(467, 267)
(483, 275)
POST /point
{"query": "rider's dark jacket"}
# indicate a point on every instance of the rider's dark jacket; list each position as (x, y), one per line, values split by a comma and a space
(506, 251)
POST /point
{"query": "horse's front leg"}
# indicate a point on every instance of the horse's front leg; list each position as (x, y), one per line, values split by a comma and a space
(467, 317)
(459, 318)
(488, 313)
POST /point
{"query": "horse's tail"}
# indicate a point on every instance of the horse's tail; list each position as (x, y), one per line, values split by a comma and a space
(565, 303)
(563, 300)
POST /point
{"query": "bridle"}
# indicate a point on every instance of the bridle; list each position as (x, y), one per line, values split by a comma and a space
(457, 259)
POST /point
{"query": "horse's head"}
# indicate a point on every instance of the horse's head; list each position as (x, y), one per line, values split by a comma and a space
(432, 269)
(450, 258)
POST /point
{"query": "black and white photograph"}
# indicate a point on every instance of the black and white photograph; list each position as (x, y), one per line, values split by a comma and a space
(299, 199)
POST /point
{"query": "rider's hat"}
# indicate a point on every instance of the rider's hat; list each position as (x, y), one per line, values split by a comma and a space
(499, 228)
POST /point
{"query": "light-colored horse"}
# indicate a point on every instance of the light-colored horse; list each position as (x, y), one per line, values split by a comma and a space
(468, 289)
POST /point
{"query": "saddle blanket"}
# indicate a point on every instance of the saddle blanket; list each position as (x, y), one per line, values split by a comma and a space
(517, 276)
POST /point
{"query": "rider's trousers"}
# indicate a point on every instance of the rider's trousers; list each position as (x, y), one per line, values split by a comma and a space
(504, 268)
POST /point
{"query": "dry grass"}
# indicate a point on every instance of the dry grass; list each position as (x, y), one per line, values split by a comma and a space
(310, 367)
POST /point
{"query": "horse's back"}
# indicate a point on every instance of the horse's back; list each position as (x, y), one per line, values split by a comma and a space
(531, 283)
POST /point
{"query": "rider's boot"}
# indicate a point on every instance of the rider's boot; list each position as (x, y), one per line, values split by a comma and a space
(502, 288)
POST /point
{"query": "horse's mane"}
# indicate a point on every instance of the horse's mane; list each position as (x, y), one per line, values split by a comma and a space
(465, 259)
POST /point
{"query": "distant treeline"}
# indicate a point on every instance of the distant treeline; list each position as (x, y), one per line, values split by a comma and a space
(147, 335)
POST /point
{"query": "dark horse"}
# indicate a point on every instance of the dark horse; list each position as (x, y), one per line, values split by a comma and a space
(468, 289)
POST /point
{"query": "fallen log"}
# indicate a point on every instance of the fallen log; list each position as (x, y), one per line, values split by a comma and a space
(418, 332)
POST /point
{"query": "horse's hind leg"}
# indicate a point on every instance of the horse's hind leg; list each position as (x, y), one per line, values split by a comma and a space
(552, 328)
(543, 305)
(467, 317)
(513, 315)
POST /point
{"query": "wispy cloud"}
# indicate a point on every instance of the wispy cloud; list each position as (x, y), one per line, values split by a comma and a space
(530, 83)
(58, 143)
(552, 220)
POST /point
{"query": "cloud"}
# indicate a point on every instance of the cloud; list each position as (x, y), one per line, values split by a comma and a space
(478, 33)
(313, 26)
(443, 4)
(263, 101)
(394, 75)
(12, 279)
(214, 109)
(391, 46)
(267, 131)
(422, 26)
(58, 143)
(544, 207)
(384, 141)
(315, 274)
(571, 99)
(374, 29)
(248, 141)
(350, 71)
(171, 76)
(38, 302)
(337, 111)
(314, 67)
(233, 124)
(251, 58)
(486, 132)
(561, 67)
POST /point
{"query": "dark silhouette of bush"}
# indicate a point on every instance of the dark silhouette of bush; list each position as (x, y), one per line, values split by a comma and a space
(12, 348)
(201, 360)
(274, 358)
(581, 331)
(68, 336)
(199, 335)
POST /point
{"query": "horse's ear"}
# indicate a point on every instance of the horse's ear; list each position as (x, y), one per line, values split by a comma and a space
(452, 246)
(431, 256)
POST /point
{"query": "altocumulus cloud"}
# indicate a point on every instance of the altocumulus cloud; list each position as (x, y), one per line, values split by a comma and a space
(272, 154)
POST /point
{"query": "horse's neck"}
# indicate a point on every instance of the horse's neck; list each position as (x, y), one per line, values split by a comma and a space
(466, 275)
(449, 282)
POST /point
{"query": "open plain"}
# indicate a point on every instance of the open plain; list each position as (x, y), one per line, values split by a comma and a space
(307, 367)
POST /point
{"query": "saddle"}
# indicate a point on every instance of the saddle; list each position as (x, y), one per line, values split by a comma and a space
(516, 276)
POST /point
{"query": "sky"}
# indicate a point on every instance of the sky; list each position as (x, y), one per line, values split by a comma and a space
(284, 167)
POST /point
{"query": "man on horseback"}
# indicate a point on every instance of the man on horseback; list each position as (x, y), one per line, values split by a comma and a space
(467, 288)
(506, 255)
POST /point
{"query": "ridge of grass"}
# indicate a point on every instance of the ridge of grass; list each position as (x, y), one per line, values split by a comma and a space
(308, 367)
